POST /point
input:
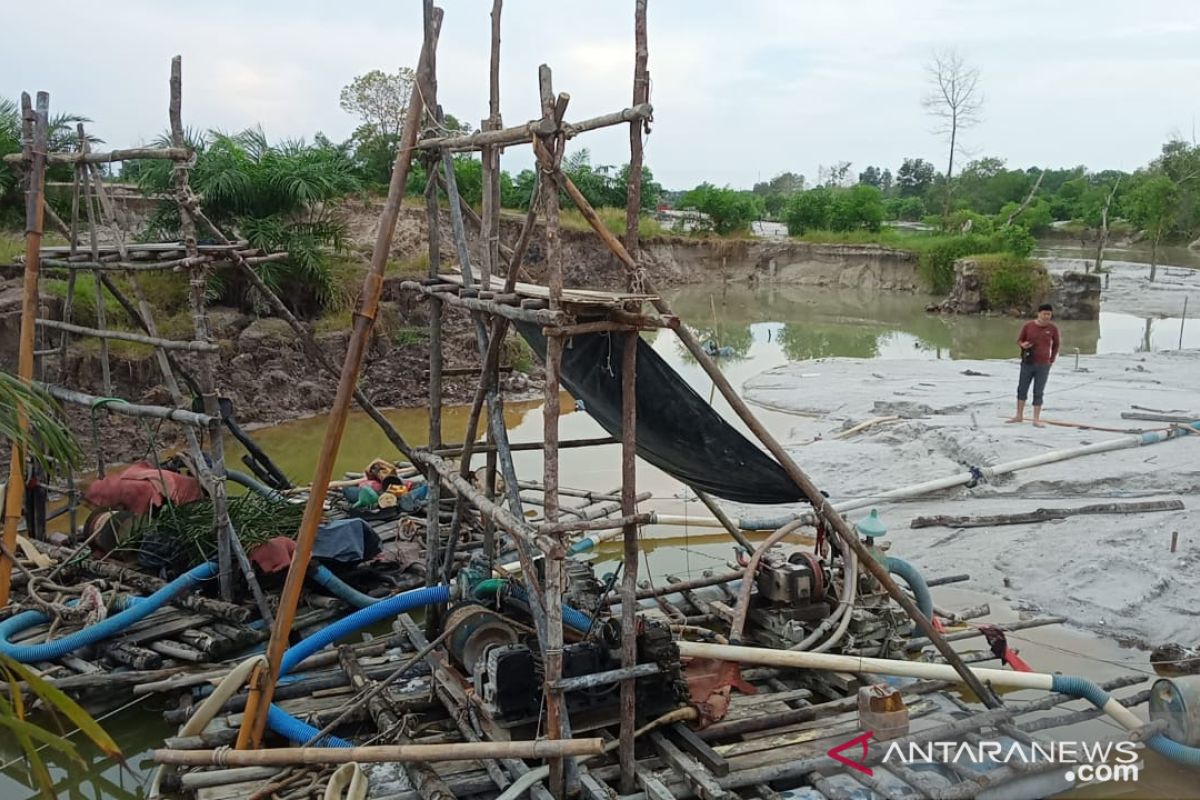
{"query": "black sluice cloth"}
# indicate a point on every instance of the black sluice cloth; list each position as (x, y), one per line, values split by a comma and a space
(677, 431)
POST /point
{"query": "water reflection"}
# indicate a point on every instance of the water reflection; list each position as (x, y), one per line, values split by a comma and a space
(813, 322)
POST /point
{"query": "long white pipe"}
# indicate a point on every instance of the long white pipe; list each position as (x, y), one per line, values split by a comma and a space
(791, 659)
(959, 479)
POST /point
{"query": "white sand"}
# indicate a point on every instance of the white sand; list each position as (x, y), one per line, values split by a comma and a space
(1110, 574)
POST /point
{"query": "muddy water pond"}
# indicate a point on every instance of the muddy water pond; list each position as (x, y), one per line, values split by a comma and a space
(762, 328)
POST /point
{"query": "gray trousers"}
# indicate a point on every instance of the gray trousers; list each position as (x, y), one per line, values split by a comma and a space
(1037, 374)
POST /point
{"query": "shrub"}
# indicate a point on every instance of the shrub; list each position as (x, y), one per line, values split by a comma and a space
(909, 209)
(1010, 281)
(729, 211)
(980, 224)
(1016, 240)
(834, 209)
(936, 262)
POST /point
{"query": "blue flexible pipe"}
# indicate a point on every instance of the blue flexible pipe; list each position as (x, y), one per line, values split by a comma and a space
(572, 618)
(105, 629)
(340, 589)
(909, 574)
(1159, 743)
(293, 729)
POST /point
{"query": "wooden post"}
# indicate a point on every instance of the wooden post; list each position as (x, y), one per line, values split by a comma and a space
(556, 712)
(820, 503)
(34, 215)
(489, 231)
(641, 94)
(433, 531)
(629, 579)
(105, 369)
(73, 242)
(263, 684)
(198, 281)
(428, 86)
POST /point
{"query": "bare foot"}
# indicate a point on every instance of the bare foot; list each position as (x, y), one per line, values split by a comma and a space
(1038, 424)
(1014, 419)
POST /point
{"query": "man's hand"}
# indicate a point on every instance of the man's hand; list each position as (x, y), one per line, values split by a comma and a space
(1025, 345)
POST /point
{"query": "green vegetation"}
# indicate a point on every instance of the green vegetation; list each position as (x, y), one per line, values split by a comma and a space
(613, 219)
(17, 709)
(835, 209)
(184, 535)
(517, 353)
(410, 335)
(275, 196)
(728, 211)
(1011, 281)
(46, 438)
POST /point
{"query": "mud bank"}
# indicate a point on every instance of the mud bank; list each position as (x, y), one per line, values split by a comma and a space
(669, 260)
(1129, 290)
(1111, 574)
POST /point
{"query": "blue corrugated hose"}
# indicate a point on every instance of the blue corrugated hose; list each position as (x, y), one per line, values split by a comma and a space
(1159, 743)
(105, 629)
(288, 726)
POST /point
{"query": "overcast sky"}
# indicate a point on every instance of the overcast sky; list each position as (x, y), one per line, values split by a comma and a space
(741, 90)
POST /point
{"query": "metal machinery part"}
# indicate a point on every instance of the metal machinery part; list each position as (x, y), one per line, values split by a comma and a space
(584, 591)
(791, 598)
(476, 631)
(795, 593)
(1177, 701)
(507, 674)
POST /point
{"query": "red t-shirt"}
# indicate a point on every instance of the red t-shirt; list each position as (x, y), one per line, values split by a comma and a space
(1044, 338)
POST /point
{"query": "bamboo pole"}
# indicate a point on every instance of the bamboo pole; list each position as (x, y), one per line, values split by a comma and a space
(129, 154)
(105, 369)
(524, 134)
(433, 509)
(641, 95)
(820, 503)
(126, 336)
(403, 753)
(207, 368)
(427, 85)
(457, 450)
(631, 551)
(489, 231)
(308, 344)
(144, 317)
(126, 266)
(556, 713)
(182, 416)
(419, 773)
(263, 687)
(35, 148)
(534, 316)
(69, 301)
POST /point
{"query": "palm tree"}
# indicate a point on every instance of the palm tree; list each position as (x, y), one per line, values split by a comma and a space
(49, 442)
(46, 440)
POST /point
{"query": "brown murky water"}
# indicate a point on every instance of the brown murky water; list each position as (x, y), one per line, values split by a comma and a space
(764, 328)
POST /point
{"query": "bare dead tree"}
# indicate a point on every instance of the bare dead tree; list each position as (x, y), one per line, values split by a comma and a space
(1104, 228)
(955, 101)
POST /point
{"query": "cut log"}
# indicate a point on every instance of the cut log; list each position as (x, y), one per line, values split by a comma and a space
(1045, 514)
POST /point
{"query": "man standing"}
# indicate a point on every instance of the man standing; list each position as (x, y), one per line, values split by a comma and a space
(1039, 347)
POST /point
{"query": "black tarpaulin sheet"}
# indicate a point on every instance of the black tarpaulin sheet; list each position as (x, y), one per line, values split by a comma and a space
(677, 431)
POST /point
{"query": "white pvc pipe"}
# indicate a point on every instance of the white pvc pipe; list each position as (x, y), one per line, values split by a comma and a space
(791, 659)
(204, 713)
(961, 478)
